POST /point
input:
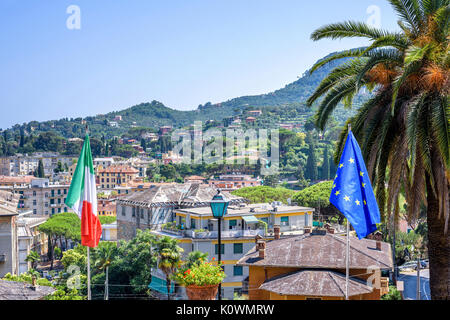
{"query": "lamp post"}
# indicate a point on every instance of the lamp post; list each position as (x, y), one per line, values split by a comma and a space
(219, 205)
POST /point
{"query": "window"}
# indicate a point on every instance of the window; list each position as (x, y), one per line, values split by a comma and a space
(59, 191)
(34, 193)
(123, 211)
(222, 248)
(133, 212)
(237, 248)
(34, 211)
(284, 221)
(232, 223)
(34, 202)
(53, 210)
(65, 191)
(237, 271)
(266, 220)
(192, 223)
(46, 204)
(59, 210)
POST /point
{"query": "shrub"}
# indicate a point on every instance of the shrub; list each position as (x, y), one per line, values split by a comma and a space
(201, 274)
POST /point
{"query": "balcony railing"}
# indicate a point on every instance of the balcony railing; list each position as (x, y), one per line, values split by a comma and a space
(224, 234)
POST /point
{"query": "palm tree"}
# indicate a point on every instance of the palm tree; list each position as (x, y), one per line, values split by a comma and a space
(195, 257)
(34, 258)
(404, 127)
(103, 256)
(169, 256)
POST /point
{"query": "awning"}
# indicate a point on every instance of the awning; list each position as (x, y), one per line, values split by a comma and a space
(160, 285)
(250, 219)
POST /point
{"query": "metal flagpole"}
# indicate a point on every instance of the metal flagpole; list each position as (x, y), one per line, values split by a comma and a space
(88, 257)
(347, 261)
(88, 274)
(347, 253)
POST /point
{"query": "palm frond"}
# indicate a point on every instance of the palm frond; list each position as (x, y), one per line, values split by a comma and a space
(348, 29)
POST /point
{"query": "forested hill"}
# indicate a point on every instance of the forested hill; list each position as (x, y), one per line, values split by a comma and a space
(156, 114)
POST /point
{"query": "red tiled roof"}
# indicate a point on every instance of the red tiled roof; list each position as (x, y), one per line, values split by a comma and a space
(119, 169)
(194, 178)
(19, 179)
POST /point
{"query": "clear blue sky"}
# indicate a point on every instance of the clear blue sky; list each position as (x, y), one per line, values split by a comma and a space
(182, 53)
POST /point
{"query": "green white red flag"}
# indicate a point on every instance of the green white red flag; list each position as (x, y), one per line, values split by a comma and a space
(82, 197)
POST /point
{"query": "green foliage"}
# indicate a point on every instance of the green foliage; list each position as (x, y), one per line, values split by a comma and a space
(107, 219)
(27, 277)
(393, 294)
(62, 294)
(315, 194)
(201, 274)
(264, 194)
(34, 258)
(66, 224)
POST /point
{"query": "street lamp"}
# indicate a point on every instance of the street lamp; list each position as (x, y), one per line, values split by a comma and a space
(219, 205)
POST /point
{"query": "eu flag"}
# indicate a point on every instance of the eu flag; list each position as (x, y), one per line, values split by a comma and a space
(352, 193)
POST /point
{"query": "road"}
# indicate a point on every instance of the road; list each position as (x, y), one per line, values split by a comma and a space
(410, 284)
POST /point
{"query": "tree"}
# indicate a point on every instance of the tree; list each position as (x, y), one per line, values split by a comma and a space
(195, 257)
(325, 165)
(169, 256)
(40, 173)
(33, 257)
(65, 225)
(311, 163)
(264, 194)
(103, 255)
(404, 128)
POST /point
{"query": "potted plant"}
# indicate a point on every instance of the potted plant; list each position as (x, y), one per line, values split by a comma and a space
(201, 279)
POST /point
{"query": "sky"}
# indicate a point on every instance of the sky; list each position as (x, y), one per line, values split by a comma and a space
(180, 52)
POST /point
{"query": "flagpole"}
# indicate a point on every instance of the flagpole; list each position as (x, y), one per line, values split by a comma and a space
(88, 257)
(88, 274)
(347, 251)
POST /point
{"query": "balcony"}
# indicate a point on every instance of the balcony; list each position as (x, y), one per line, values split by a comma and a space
(224, 234)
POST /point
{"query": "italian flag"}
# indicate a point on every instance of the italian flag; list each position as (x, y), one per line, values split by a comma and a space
(82, 197)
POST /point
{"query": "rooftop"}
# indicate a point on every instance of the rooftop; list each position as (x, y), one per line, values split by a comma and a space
(319, 252)
(247, 209)
(11, 290)
(315, 283)
(185, 194)
(118, 169)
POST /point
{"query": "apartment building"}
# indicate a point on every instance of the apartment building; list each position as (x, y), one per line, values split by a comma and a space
(21, 165)
(8, 233)
(42, 197)
(239, 229)
(115, 176)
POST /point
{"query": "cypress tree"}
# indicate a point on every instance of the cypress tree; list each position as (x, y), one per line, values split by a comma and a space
(40, 170)
(311, 163)
(326, 165)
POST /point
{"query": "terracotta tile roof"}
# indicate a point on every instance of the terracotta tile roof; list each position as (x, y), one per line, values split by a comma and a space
(194, 178)
(315, 283)
(320, 251)
(111, 206)
(119, 169)
(17, 180)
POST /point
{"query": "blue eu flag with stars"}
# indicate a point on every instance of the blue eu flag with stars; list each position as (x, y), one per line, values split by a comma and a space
(352, 193)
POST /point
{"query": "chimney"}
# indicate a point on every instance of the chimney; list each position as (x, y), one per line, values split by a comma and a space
(331, 230)
(307, 230)
(261, 248)
(276, 231)
(379, 245)
(33, 282)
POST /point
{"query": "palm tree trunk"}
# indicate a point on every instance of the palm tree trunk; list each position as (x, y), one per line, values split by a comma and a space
(168, 288)
(438, 249)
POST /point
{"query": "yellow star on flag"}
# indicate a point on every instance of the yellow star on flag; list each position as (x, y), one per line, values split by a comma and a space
(341, 165)
(347, 198)
(357, 202)
(351, 160)
(363, 185)
(337, 193)
(365, 203)
(361, 174)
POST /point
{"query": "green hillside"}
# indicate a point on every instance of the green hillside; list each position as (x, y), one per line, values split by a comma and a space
(289, 99)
